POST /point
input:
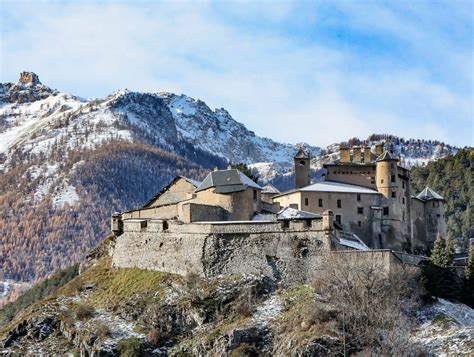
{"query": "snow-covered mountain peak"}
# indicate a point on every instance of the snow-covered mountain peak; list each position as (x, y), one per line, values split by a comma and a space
(28, 89)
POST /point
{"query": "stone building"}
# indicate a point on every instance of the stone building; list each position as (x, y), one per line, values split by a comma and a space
(370, 196)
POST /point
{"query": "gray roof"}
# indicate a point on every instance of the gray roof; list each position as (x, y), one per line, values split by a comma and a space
(269, 188)
(289, 213)
(429, 194)
(301, 154)
(331, 186)
(386, 156)
(226, 181)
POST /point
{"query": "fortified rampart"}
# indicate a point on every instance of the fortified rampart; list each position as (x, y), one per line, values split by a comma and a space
(286, 251)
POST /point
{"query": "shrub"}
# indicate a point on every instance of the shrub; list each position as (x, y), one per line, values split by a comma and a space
(102, 330)
(84, 311)
(130, 347)
(154, 336)
(243, 309)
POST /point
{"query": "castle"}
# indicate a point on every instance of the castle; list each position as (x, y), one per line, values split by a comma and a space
(228, 224)
(370, 195)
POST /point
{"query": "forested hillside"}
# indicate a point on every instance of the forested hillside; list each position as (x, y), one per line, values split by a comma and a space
(451, 177)
(41, 237)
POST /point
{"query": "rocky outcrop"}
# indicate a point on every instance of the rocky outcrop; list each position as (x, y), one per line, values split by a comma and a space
(28, 89)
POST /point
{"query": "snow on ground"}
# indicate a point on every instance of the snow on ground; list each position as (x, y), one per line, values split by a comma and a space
(446, 328)
(67, 195)
(267, 311)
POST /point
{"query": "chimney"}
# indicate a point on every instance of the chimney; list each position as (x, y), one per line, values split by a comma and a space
(367, 155)
(345, 154)
(357, 154)
(379, 149)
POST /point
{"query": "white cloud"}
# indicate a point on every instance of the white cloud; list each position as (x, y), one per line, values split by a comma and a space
(265, 78)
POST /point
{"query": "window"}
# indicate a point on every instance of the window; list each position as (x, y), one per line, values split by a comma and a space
(358, 197)
(165, 225)
(360, 210)
(394, 194)
(294, 205)
(302, 162)
(403, 219)
(381, 180)
(372, 180)
(403, 184)
(385, 211)
(254, 194)
(359, 223)
(306, 201)
(339, 204)
(320, 202)
(285, 224)
(393, 178)
(403, 200)
(338, 218)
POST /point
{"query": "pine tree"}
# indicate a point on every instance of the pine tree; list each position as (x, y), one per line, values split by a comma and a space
(469, 269)
(439, 256)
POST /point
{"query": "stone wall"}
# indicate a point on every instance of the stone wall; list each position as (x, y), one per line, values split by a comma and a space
(284, 254)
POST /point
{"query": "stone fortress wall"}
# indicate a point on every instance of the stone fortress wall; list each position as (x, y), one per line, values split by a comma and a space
(285, 251)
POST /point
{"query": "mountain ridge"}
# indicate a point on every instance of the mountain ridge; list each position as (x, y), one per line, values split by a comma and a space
(68, 160)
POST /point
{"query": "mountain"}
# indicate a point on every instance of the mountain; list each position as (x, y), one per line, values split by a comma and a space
(66, 163)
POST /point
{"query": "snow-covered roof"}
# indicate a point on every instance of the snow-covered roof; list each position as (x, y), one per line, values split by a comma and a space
(269, 188)
(301, 154)
(330, 186)
(226, 181)
(386, 156)
(429, 194)
(292, 213)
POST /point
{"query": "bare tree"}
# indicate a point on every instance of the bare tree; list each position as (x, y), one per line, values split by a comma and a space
(373, 301)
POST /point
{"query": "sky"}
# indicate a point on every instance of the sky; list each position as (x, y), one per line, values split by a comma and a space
(309, 71)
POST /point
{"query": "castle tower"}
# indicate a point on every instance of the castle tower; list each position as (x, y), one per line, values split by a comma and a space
(434, 214)
(389, 185)
(302, 169)
(386, 174)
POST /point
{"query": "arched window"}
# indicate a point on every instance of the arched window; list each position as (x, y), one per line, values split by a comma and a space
(302, 162)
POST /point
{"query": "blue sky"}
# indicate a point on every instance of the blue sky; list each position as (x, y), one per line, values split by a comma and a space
(338, 69)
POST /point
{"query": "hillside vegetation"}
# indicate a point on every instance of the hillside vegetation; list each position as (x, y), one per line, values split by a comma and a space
(451, 177)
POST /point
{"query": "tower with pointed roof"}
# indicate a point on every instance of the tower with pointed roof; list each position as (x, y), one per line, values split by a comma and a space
(302, 169)
(429, 220)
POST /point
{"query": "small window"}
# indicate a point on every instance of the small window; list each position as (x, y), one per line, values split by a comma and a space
(338, 218)
(320, 202)
(393, 178)
(165, 225)
(372, 180)
(394, 194)
(403, 217)
(360, 210)
(358, 197)
(438, 215)
(403, 184)
(285, 224)
(385, 211)
(391, 165)
(359, 223)
(339, 203)
(306, 201)
(302, 162)
(403, 200)
(381, 180)
(254, 194)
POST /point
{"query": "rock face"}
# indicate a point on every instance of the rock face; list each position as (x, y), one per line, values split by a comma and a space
(29, 78)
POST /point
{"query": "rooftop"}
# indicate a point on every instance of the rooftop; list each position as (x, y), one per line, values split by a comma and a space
(301, 154)
(387, 156)
(429, 194)
(330, 186)
(292, 213)
(226, 181)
